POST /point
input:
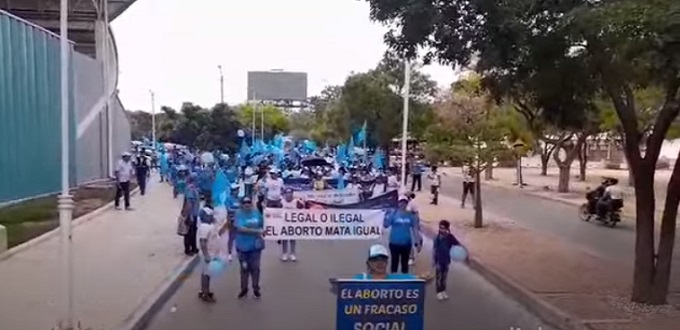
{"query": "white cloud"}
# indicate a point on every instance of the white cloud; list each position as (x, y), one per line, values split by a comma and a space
(175, 46)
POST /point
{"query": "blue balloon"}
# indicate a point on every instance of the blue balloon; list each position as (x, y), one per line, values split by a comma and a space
(458, 253)
(216, 267)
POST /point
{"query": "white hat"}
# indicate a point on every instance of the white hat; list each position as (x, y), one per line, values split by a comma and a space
(378, 250)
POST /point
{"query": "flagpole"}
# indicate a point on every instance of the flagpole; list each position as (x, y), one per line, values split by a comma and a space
(404, 128)
(65, 200)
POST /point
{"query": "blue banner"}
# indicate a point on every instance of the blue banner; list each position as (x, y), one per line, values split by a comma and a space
(385, 304)
(385, 201)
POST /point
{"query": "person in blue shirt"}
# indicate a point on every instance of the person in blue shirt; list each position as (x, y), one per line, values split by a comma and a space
(376, 266)
(249, 225)
(441, 252)
(416, 175)
(404, 233)
(206, 177)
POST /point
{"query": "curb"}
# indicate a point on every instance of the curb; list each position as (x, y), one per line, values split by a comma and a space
(142, 315)
(550, 314)
(531, 301)
(152, 304)
(54, 232)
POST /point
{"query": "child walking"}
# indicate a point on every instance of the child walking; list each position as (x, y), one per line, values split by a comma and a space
(208, 239)
(442, 257)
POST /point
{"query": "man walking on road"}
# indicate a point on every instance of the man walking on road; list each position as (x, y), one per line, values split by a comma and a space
(468, 186)
(142, 169)
(416, 175)
(123, 173)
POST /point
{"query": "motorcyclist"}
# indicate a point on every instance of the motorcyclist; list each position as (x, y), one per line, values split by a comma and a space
(611, 200)
(594, 195)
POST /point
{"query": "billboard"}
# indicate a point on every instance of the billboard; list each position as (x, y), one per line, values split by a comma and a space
(277, 86)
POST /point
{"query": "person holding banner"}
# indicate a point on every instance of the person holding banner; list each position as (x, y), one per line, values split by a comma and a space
(404, 232)
(249, 227)
(289, 246)
(376, 266)
(273, 187)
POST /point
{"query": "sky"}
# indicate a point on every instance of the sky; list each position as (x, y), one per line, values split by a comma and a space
(174, 47)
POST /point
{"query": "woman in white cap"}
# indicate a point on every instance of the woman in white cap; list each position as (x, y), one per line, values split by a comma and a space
(376, 266)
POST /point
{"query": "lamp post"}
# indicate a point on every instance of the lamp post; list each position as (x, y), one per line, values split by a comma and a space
(404, 127)
(153, 120)
(219, 67)
(65, 200)
(254, 108)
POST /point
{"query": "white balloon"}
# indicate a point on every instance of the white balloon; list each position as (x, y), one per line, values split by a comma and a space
(240, 133)
(207, 158)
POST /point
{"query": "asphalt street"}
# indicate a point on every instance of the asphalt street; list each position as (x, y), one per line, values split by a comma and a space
(562, 220)
(297, 296)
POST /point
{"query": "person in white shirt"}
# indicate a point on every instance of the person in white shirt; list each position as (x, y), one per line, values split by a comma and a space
(435, 182)
(468, 186)
(392, 181)
(208, 238)
(288, 247)
(273, 186)
(123, 173)
(249, 179)
(611, 200)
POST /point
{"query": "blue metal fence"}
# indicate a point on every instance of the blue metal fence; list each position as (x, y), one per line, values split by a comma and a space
(30, 129)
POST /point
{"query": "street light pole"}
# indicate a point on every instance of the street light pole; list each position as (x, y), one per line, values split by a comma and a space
(65, 200)
(262, 122)
(254, 108)
(404, 127)
(221, 85)
(153, 119)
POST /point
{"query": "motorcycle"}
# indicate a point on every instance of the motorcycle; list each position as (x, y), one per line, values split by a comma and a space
(610, 220)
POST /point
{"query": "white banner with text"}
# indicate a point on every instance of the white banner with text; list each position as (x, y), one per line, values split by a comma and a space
(323, 224)
(330, 196)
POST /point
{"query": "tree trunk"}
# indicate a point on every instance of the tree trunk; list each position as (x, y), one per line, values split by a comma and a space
(546, 152)
(563, 183)
(478, 201)
(662, 274)
(643, 275)
(583, 161)
(488, 173)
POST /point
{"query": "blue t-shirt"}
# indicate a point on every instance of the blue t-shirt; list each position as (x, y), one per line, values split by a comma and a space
(191, 196)
(205, 179)
(247, 242)
(401, 224)
(391, 276)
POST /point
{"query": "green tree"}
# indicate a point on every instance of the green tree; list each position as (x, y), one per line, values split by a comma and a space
(466, 130)
(565, 53)
(275, 120)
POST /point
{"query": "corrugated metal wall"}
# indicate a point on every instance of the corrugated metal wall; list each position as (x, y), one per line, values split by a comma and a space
(30, 105)
(91, 147)
(30, 114)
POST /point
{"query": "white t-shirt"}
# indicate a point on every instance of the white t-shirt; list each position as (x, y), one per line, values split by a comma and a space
(274, 188)
(614, 192)
(435, 179)
(411, 206)
(392, 181)
(290, 205)
(124, 170)
(209, 232)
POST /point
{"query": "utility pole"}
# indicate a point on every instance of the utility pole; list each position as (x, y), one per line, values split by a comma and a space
(221, 85)
(65, 200)
(153, 120)
(254, 108)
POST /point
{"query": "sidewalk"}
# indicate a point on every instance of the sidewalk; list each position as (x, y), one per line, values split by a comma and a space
(546, 186)
(120, 257)
(561, 283)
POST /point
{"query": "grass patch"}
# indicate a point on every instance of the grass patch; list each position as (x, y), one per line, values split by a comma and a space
(27, 220)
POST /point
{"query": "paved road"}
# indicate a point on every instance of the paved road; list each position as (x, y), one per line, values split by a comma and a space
(296, 296)
(562, 220)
